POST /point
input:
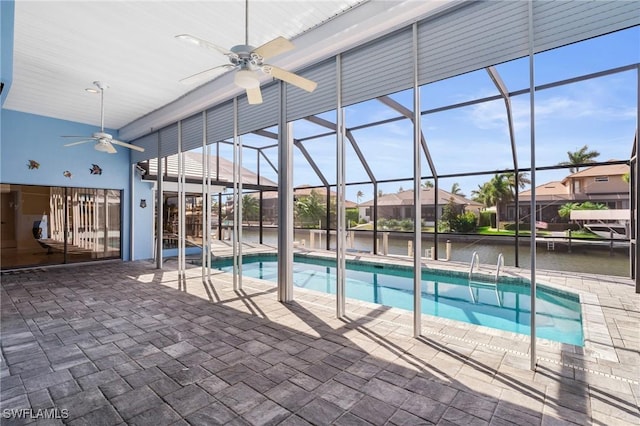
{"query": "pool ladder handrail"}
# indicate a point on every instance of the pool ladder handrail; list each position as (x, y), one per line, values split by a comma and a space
(499, 265)
(475, 260)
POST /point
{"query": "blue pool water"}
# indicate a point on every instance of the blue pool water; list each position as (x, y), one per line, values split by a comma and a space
(504, 306)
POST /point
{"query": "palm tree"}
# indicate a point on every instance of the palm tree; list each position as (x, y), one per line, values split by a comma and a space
(311, 209)
(250, 207)
(565, 209)
(359, 196)
(581, 156)
(498, 192)
(455, 190)
(428, 183)
(481, 194)
(522, 181)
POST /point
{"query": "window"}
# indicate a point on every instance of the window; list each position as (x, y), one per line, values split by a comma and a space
(602, 178)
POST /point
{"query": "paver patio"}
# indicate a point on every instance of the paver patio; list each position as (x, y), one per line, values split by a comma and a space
(124, 343)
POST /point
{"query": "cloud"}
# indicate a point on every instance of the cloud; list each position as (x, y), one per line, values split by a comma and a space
(601, 100)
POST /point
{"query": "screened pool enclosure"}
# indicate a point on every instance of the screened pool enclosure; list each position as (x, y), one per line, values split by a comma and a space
(495, 118)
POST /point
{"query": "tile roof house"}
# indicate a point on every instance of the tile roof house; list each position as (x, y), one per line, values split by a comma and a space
(598, 184)
(399, 205)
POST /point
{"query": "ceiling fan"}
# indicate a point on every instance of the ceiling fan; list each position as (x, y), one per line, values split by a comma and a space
(104, 141)
(248, 60)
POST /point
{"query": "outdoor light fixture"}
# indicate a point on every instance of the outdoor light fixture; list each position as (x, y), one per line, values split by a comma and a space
(143, 203)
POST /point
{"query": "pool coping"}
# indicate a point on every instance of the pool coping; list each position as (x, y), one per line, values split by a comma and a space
(598, 342)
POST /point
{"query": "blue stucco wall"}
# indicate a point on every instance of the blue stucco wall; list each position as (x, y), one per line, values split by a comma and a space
(25, 137)
(33, 137)
(7, 13)
(143, 239)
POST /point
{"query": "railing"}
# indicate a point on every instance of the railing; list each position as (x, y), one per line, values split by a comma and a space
(499, 265)
(475, 260)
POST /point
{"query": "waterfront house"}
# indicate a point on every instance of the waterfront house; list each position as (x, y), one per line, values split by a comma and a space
(400, 205)
(602, 184)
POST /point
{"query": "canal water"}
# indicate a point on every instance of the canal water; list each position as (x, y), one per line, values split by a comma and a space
(583, 258)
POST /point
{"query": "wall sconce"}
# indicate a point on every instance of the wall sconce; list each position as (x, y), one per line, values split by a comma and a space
(143, 203)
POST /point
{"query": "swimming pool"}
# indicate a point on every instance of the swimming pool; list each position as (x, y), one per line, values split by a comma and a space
(504, 306)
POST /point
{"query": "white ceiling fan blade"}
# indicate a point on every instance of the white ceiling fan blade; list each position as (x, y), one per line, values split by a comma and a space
(127, 145)
(77, 136)
(203, 75)
(204, 43)
(291, 78)
(79, 142)
(274, 47)
(254, 95)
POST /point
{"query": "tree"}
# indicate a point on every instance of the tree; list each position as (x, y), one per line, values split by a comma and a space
(565, 209)
(581, 156)
(448, 215)
(311, 209)
(481, 194)
(498, 192)
(455, 190)
(522, 181)
(359, 196)
(428, 183)
(380, 193)
(250, 207)
(626, 177)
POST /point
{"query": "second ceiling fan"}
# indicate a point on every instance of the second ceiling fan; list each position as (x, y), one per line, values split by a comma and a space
(249, 61)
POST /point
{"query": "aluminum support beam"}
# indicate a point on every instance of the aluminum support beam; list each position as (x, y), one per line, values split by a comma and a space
(132, 196)
(408, 114)
(275, 169)
(181, 211)
(285, 203)
(532, 124)
(312, 163)
(206, 245)
(237, 265)
(417, 195)
(633, 206)
(341, 228)
(502, 88)
(159, 211)
(423, 143)
(329, 125)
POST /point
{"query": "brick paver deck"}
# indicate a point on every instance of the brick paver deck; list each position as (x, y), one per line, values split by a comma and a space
(124, 343)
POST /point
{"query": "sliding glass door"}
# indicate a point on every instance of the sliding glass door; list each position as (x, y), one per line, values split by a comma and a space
(43, 225)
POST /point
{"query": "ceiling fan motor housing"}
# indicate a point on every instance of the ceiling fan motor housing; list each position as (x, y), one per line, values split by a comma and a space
(245, 57)
(102, 135)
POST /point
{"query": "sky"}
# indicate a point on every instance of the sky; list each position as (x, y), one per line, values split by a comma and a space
(600, 113)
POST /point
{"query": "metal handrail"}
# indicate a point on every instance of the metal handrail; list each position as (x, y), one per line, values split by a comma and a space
(475, 260)
(499, 265)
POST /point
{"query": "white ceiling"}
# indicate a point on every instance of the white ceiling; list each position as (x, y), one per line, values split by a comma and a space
(61, 47)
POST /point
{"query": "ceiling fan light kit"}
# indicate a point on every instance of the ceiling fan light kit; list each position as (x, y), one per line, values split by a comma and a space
(246, 79)
(248, 61)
